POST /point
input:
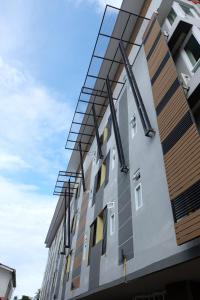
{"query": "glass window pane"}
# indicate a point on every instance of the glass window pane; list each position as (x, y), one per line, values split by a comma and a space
(188, 10)
(138, 197)
(193, 50)
(112, 224)
(172, 16)
(99, 229)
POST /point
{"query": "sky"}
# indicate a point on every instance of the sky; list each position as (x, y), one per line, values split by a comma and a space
(45, 48)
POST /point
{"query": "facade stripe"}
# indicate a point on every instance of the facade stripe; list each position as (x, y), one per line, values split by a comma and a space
(180, 129)
(167, 97)
(161, 66)
(125, 229)
(154, 45)
(150, 29)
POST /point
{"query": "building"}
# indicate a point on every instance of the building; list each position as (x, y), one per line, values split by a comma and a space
(7, 282)
(127, 222)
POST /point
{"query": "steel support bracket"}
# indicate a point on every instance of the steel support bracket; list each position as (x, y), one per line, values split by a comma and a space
(82, 169)
(148, 130)
(97, 132)
(120, 151)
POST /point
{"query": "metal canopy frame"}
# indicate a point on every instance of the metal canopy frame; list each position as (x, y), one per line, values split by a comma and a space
(66, 187)
(95, 96)
(94, 93)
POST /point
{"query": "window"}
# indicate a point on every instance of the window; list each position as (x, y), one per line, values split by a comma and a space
(113, 158)
(133, 126)
(98, 232)
(73, 225)
(104, 136)
(78, 190)
(112, 224)
(138, 197)
(106, 133)
(192, 50)
(68, 265)
(137, 175)
(171, 16)
(188, 10)
(101, 176)
(85, 247)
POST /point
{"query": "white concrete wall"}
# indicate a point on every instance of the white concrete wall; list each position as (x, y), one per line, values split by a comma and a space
(5, 277)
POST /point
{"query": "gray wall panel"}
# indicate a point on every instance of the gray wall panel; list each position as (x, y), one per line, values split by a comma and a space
(125, 232)
(95, 256)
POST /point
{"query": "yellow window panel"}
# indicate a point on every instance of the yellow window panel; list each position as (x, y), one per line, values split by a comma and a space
(105, 134)
(99, 229)
(68, 263)
(103, 174)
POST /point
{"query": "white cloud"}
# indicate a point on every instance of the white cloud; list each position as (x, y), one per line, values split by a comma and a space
(12, 162)
(32, 119)
(24, 219)
(33, 126)
(100, 4)
(16, 21)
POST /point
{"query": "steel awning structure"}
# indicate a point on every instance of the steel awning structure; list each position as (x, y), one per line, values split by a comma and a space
(66, 187)
(101, 88)
(116, 25)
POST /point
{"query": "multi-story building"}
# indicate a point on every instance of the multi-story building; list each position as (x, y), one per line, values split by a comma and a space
(7, 282)
(127, 222)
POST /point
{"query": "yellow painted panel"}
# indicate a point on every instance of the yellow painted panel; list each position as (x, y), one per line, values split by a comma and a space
(68, 263)
(105, 134)
(103, 173)
(99, 230)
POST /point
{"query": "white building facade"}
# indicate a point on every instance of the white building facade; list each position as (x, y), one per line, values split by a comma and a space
(7, 282)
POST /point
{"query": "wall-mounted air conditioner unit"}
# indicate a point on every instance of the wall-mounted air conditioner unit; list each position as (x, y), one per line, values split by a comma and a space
(184, 79)
(166, 34)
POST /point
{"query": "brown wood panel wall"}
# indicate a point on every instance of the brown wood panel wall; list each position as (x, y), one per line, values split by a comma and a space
(76, 273)
(179, 136)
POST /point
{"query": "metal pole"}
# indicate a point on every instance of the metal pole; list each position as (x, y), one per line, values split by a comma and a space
(64, 229)
(120, 151)
(69, 215)
(82, 169)
(97, 132)
(138, 98)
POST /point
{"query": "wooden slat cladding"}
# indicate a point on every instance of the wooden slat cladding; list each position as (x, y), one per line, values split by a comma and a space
(182, 163)
(179, 137)
(171, 114)
(165, 80)
(81, 232)
(188, 228)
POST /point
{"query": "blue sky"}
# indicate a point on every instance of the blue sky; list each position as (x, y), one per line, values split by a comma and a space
(45, 47)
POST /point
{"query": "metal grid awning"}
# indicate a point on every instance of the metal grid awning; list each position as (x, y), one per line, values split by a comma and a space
(117, 25)
(62, 183)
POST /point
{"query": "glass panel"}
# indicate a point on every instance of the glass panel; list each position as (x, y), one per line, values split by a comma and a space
(138, 197)
(68, 262)
(193, 50)
(99, 229)
(172, 16)
(103, 173)
(112, 224)
(105, 134)
(188, 10)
